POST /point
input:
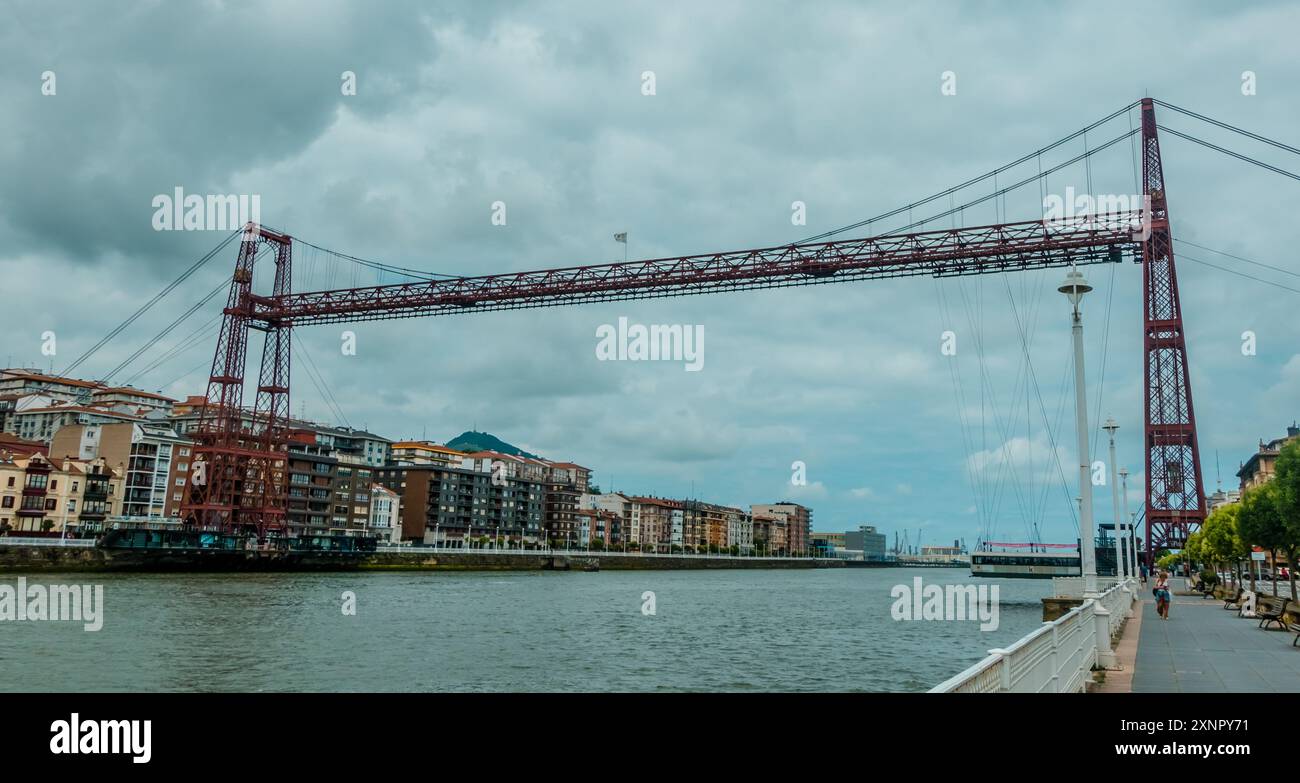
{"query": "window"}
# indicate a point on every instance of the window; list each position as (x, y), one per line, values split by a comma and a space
(51, 504)
(180, 482)
(75, 484)
(11, 481)
(8, 502)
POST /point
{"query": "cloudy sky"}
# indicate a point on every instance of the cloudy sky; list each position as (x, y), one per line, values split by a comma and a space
(543, 106)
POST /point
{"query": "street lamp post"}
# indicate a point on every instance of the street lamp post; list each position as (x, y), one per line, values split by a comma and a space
(1110, 427)
(1074, 288)
(1132, 524)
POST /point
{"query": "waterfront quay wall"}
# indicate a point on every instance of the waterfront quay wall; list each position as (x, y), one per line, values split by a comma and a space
(29, 558)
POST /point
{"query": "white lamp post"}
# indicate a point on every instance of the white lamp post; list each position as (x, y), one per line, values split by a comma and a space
(1074, 288)
(1132, 528)
(1110, 426)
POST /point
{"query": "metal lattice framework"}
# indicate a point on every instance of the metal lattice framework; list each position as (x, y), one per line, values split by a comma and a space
(1175, 492)
(241, 485)
(964, 251)
(238, 480)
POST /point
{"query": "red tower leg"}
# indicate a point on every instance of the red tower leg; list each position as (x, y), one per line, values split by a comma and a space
(1175, 497)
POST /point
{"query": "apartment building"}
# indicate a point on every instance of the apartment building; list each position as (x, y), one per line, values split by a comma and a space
(385, 518)
(769, 532)
(32, 388)
(655, 524)
(112, 396)
(61, 496)
(1261, 466)
(448, 505)
(512, 465)
(797, 528)
(597, 527)
(565, 484)
(625, 531)
(153, 458)
(740, 531)
(312, 478)
(41, 422)
(366, 447)
(423, 452)
(720, 523)
(20, 381)
(353, 479)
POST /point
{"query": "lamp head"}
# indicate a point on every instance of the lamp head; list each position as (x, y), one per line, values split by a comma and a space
(1075, 286)
(1110, 425)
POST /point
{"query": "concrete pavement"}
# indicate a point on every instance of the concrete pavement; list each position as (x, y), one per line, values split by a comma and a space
(1203, 648)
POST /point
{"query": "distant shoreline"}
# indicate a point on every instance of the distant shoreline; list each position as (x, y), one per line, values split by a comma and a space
(27, 559)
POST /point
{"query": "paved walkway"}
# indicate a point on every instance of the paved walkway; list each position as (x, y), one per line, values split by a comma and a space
(1203, 648)
(1121, 680)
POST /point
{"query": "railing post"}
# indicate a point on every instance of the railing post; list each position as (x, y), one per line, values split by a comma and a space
(1004, 668)
(1056, 657)
(1101, 625)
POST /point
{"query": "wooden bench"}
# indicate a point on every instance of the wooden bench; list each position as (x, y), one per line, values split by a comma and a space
(1290, 620)
(1271, 609)
(1228, 602)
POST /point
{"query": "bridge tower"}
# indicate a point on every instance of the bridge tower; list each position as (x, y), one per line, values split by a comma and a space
(238, 472)
(1175, 492)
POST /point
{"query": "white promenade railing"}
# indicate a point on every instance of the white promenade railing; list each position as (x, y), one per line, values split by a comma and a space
(1073, 585)
(33, 541)
(1057, 657)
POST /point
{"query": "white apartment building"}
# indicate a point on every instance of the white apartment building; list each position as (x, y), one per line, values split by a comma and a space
(385, 514)
(615, 503)
(740, 531)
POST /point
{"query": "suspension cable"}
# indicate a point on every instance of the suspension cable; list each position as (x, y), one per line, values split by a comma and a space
(1225, 151)
(969, 182)
(1226, 126)
(67, 371)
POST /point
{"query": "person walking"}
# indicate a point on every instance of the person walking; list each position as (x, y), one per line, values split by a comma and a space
(1162, 594)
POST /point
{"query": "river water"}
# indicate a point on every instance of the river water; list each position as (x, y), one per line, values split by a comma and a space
(778, 630)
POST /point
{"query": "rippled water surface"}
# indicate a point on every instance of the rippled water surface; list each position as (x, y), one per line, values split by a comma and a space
(822, 630)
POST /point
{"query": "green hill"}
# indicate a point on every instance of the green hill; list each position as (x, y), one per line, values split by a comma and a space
(485, 441)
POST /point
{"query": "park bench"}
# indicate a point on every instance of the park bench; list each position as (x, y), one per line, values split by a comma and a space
(1234, 600)
(1293, 622)
(1271, 610)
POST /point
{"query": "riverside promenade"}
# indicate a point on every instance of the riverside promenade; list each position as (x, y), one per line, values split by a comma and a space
(1202, 648)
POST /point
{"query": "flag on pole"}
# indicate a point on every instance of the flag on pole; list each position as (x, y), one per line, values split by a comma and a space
(621, 237)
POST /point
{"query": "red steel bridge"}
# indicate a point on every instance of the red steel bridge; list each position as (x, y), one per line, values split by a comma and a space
(240, 487)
